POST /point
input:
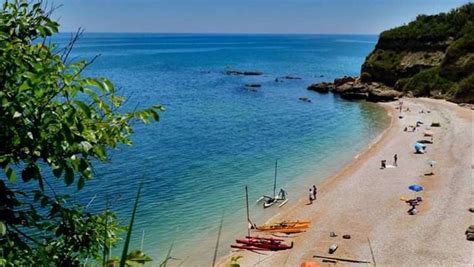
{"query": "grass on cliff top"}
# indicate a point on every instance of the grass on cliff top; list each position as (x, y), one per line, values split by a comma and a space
(434, 27)
(384, 59)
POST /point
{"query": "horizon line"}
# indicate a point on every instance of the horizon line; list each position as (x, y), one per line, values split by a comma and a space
(223, 33)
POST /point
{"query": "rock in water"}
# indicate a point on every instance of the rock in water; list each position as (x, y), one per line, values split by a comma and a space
(253, 85)
(291, 78)
(246, 73)
(321, 87)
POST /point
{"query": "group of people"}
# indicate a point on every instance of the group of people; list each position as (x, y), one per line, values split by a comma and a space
(312, 194)
(383, 163)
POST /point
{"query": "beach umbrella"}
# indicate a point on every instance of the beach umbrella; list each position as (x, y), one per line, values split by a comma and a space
(415, 187)
(419, 147)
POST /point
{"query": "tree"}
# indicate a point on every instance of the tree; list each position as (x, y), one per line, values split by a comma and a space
(53, 124)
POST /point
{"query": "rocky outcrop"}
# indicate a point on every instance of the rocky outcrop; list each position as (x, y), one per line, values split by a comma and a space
(431, 56)
(343, 80)
(382, 95)
(321, 87)
(352, 88)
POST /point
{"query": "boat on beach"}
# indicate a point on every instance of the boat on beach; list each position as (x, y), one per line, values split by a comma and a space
(269, 244)
(286, 227)
(281, 197)
(256, 243)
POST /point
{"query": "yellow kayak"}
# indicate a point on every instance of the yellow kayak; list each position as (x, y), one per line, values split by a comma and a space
(287, 226)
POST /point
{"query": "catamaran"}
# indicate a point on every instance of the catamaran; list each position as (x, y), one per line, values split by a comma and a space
(256, 243)
(281, 197)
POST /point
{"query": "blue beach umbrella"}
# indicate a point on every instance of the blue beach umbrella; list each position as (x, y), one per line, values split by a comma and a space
(419, 146)
(415, 187)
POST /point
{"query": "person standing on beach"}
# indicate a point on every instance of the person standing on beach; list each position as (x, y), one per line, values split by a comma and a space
(395, 158)
(310, 196)
(315, 191)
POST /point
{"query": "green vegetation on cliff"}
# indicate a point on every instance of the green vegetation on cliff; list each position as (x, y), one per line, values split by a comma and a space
(431, 56)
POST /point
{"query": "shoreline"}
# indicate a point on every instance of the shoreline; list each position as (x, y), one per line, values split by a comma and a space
(348, 179)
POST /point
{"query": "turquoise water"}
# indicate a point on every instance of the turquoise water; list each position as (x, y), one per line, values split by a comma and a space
(216, 137)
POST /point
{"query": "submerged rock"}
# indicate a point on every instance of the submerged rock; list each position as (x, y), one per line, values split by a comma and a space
(246, 73)
(290, 78)
(305, 99)
(253, 85)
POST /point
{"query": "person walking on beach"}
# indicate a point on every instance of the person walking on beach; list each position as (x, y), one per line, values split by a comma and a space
(310, 196)
(315, 191)
(395, 158)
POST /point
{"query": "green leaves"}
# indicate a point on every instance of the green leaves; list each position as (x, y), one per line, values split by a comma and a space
(11, 175)
(123, 259)
(69, 175)
(3, 228)
(54, 118)
(85, 108)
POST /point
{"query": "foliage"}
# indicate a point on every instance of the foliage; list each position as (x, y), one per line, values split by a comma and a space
(124, 257)
(450, 36)
(435, 27)
(54, 123)
(135, 258)
(426, 83)
(464, 91)
(384, 59)
(234, 261)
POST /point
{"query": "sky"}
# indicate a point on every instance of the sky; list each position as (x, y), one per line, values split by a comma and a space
(244, 16)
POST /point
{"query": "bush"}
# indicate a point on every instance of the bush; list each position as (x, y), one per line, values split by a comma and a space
(426, 82)
(464, 91)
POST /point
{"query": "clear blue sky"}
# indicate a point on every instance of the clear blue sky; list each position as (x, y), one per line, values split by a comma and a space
(244, 16)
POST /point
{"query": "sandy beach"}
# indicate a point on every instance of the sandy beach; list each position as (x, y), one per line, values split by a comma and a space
(363, 200)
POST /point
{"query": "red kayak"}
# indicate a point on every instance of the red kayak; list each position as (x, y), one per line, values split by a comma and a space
(264, 238)
(271, 245)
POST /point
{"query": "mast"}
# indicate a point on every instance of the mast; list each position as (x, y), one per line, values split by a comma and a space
(247, 205)
(275, 181)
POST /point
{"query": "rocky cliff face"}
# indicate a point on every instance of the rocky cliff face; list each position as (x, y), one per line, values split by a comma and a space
(431, 56)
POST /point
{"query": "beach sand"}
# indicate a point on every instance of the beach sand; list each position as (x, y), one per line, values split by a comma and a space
(363, 200)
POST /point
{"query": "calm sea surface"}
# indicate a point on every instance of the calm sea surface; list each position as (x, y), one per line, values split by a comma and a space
(216, 136)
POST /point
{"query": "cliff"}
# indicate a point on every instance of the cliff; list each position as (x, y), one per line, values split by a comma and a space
(430, 56)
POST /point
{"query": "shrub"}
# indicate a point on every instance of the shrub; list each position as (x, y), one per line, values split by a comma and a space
(426, 82)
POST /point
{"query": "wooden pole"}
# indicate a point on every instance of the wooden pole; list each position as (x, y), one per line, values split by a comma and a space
(341, 259)
(217, 242)
(247, 205)
(372, 252)
(275, 181)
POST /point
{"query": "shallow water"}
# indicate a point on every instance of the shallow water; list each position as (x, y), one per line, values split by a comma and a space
(216, 136)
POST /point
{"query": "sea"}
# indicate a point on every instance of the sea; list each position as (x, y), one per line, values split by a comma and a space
(216, 136)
